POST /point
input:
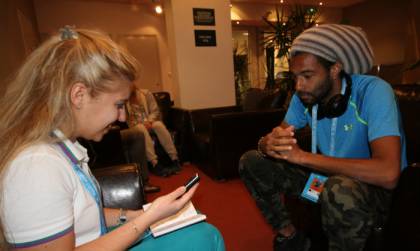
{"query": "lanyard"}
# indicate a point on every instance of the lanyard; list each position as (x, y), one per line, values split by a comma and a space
(89, 182)
(333, 127)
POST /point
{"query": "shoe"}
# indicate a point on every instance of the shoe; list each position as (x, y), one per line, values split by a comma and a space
(149, 188)
(296, 242)
(159, 170)
(175, 166)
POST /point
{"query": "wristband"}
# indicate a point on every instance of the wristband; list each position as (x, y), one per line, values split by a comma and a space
(259, 148)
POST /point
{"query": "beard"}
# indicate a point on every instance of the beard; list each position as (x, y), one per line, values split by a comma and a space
(317, 96)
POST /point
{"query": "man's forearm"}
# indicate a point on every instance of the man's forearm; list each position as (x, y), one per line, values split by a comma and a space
(379, 172)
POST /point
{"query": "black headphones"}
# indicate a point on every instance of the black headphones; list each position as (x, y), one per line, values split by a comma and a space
(336, 105)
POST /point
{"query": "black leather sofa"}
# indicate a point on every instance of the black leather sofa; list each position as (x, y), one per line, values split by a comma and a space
(219, 136)
(215, 138)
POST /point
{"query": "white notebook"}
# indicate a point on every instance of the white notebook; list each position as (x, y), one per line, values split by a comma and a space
(185, 217)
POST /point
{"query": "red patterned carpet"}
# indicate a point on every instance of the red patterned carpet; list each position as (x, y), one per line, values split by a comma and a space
(228, 206)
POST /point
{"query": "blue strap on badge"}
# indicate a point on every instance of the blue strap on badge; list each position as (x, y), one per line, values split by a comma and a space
(89, 182)
(333, 128)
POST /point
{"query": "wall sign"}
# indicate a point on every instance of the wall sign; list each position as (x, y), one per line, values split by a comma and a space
(205, 37)
(203, 16)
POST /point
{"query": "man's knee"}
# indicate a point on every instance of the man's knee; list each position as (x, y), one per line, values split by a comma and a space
(342, 191)
(345, 201)
(347, 215)
(158, 125)
(141, 128)
(248, 160)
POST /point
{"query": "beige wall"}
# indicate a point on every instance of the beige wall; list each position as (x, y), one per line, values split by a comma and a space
(18, 35)
(112, 18)
(413, 54)
(198, 86)
(203, 76)
(386, 24)
(393, 30)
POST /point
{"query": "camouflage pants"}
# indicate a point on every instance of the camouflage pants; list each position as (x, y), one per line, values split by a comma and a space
(350, 209)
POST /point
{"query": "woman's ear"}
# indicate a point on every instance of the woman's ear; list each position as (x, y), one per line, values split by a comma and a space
(77, 92)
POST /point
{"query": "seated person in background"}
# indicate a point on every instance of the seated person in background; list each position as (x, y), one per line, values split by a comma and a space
(357, 142)
(144, 115)
(135, 144)
(74, 85)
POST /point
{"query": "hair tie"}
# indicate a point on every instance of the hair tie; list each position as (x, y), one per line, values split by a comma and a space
(68, 32)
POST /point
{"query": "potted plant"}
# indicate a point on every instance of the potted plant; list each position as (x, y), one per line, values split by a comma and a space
(280, 37)
(240, 68)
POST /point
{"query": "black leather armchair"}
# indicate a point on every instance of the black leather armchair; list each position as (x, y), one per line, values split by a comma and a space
(121, 186)
(120, 180)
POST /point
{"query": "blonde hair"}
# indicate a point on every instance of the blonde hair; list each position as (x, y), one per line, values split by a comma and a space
(37, 101)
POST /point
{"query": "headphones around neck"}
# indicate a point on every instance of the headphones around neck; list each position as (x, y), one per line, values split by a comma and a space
(336, 105)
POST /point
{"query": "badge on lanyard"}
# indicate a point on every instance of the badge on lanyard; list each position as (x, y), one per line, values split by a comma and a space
(315, 183)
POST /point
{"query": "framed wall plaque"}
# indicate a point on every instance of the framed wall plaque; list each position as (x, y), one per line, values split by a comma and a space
(204, 16)
(205, 37)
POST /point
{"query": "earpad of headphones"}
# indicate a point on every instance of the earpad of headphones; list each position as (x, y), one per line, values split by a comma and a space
(336, 106)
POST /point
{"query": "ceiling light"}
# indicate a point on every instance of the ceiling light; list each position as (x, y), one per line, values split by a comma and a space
(158, 9)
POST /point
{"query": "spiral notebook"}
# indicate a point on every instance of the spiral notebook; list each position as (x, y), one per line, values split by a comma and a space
(185, 217)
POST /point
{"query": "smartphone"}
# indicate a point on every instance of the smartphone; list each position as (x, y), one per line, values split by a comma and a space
(192, 182)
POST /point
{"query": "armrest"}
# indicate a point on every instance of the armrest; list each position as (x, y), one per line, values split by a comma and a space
(200, 119)
(121, 186)
(245, 125)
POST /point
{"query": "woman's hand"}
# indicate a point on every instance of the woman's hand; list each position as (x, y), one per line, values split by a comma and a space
(169, 204)
(148, 124)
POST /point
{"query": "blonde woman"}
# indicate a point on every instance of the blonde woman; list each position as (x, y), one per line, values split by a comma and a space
(74, 85)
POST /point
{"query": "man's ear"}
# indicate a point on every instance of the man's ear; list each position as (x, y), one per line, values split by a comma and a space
(335, 70)
(77, 92)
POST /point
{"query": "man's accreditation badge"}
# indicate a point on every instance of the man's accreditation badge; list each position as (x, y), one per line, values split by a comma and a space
(314, 186)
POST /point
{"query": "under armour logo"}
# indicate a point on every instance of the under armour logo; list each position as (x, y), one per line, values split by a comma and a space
(348, 127)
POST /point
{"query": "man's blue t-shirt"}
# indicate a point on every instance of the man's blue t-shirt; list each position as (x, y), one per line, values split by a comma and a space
(372, 112)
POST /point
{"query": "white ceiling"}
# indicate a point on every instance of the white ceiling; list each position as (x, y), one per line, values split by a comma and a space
(327, 3)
